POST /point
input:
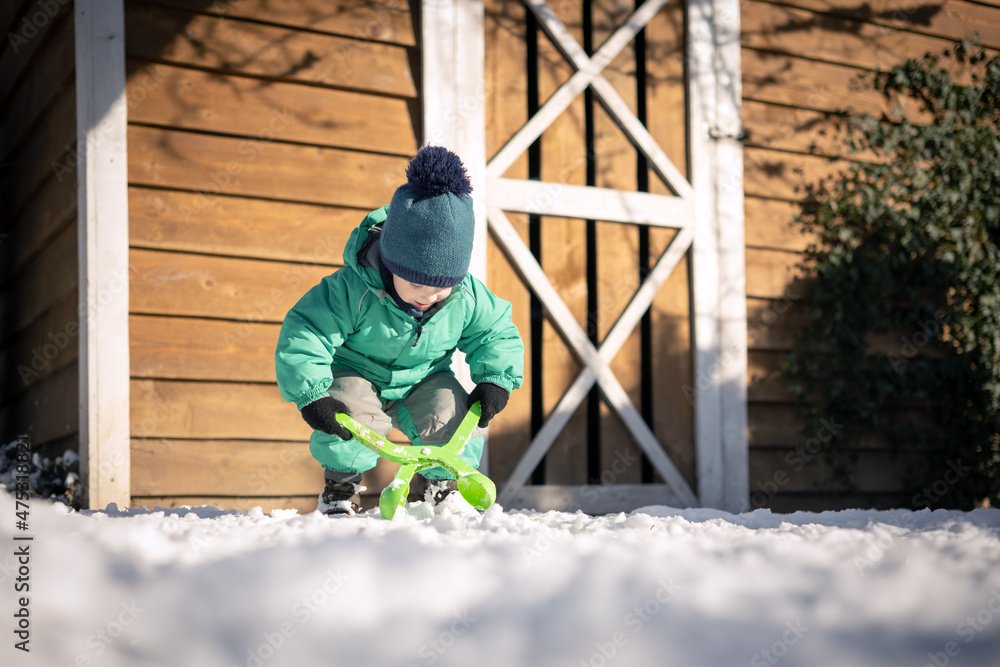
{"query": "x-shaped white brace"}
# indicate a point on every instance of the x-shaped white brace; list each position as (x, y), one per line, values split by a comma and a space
(589, 73)
(596, 361)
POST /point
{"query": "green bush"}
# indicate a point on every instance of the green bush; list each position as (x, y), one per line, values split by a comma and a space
(902, 339)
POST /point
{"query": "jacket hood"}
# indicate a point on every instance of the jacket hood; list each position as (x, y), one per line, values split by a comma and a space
(367, 264)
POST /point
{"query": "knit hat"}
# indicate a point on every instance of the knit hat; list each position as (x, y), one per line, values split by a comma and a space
(427, 234)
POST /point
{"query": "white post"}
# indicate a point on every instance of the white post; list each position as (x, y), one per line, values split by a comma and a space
(732, 261)
(454, 106)
(720, 359)
(102, 222)
(454, 96)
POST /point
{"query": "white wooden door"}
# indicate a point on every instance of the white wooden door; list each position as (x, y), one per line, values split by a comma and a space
(706, 211)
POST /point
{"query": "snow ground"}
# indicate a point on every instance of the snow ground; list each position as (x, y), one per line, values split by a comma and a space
(664, 587)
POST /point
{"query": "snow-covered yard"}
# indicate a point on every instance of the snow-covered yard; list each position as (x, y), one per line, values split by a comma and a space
(202, 586)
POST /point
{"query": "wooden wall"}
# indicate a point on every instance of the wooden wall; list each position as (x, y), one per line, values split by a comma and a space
(260, 133)
(38, 234)
(799, 60)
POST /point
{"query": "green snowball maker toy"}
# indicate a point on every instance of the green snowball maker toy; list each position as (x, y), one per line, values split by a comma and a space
(477, 489)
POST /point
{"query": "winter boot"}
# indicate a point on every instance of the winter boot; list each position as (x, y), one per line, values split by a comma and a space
(340, 498)
(439, 489)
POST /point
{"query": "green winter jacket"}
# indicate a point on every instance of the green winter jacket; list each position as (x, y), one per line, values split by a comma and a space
(349, 321)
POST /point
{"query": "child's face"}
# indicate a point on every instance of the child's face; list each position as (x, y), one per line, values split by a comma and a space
(420, 297)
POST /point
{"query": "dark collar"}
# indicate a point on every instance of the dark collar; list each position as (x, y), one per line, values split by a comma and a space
(369, 256)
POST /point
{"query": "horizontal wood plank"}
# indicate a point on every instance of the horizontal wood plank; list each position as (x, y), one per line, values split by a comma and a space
(368, 20)
(239, 227)
(49, 152)
(770, 224)
(765, 381)
(801, 83)
(773, 274)
(48, 279)
(794, 129)
(197, 349)
(46, 346)
(950, 19)
(786, 503)
(50, 75)
(773, 470)
(830, 38)
(265, 168)
(211, 42)
(303, 504)
(165, 467)
(213, 411)
(773, 323)
(46, 411)
(164, 283)
(22, 43)
(10, 14)
(236, 468)
(776, 425)
(51, 210)
(198, 100)
(780, 175)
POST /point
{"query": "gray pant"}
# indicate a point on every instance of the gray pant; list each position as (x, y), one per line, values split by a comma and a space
(428, 415)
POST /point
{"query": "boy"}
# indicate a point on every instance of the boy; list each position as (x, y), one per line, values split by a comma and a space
(375, 339)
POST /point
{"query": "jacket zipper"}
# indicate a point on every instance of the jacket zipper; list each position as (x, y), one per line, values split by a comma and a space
(420, 328)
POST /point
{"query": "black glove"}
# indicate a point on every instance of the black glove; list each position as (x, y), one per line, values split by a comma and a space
(322, 416)
(492, 399)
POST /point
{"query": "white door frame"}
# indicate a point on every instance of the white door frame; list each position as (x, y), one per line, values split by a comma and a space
(707, 212)
(102, 232)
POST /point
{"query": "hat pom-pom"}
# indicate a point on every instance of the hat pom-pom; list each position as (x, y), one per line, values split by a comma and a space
(436, 170)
